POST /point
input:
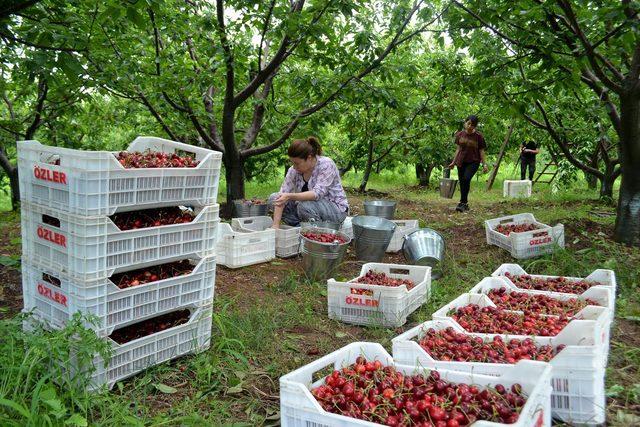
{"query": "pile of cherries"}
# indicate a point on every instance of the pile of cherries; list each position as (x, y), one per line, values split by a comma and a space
(515, 228)
(449, 345)
(379, 278)
(555, 284)
(325, 237)
(493, 320)
(541, 304)
(151, 218)
(369, 391)
(150, 326)
(154, 159)
(129, 279)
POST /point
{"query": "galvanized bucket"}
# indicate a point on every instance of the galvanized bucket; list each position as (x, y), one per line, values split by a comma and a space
(321, 260)
(381, 208)
(245, 208)
(371, 235)
(425, 247)
(448, 187)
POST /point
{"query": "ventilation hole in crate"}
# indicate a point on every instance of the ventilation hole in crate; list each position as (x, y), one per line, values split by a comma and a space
(51, 280)
(145, 242)
(169, 238)
(147, 196)
(168, 251)
(172, 182)
(358, 312)
(148, 183)
(172, 194)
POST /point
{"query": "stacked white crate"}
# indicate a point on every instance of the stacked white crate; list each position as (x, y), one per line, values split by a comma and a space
(287, 238)
(71, 247)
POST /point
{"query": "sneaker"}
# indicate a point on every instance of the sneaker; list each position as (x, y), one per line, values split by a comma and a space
(465, 206)
(460, 207)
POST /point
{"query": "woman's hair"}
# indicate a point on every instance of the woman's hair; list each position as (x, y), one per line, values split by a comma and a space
(473, 119)
(303, 148)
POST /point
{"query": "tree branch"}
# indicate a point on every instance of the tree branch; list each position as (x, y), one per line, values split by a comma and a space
(208, 107)
(258, 115)
(592, 55)
(39, 46)
(264, 32)
(196, 123)
(43, 89)
(157, 116)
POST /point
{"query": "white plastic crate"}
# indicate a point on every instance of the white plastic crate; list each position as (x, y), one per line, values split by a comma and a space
(298, 407)
(287, 237)
(577, 375)
(606, 279)
(95, 183)
(379, 305)
(592, 319)
(403, 227)
(138, 355)
(347, 227)
(520, 188)
(528, 244)
(243, 247)
(88, 248)
(55, 303)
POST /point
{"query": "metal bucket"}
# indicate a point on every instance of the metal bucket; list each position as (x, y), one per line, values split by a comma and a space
(448, 187)
(425, 247)
(321, 260)
(245, 208)
(380, 208)
(371, 235)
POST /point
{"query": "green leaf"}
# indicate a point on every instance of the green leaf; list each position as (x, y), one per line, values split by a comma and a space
(163, 388)
(340, 334)
(16, 407)
(77, 420)
(235, 389)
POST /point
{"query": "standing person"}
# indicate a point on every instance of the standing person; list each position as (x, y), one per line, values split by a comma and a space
(528, 151)
(312, 188)
(469, 154)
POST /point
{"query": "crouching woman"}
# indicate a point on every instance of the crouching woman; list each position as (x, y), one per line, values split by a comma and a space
(312, 189)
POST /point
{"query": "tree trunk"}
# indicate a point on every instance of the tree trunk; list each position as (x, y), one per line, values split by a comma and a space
(367, 170)
(606, 183)
(592, 180)
(14, 183)
(345, 169)
(627, 228)
(494, 172)
(423, 174)
(234, 173)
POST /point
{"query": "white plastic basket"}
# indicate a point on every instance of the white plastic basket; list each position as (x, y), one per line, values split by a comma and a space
(384, 305)
(606, 279)
(88, 248)
(577, 375)
(287, 237)
(243, 247)
(95, 183)
(403, 227)
(592, 319)
(347, 227)
(55, 303)
(298, 407)
(520, 188)
(138, 355)
(528, 244)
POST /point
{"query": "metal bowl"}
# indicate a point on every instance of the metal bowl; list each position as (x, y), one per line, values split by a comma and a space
(372, 236)
(245, 208)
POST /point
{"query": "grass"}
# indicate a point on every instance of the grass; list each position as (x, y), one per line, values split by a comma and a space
(268, 320)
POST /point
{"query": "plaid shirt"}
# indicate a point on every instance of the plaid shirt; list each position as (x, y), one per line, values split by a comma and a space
(324, 181)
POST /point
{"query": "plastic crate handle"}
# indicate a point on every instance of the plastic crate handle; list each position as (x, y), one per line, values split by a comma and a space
(540, 233)
(403, 271)
(52, 280)
(507, 220)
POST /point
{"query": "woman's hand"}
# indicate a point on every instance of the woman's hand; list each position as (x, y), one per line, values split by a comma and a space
(451, 166)
(485, 168)
(282, 199)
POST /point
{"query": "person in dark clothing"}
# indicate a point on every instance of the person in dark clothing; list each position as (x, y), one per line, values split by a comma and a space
(528, 151)
(469, 154)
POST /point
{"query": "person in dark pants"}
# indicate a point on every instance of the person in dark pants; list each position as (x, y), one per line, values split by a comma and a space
(469, 154)
(528, 153)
